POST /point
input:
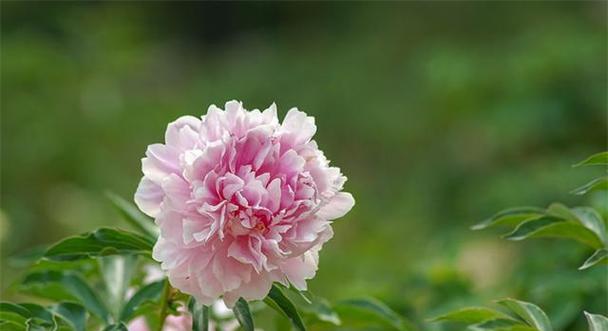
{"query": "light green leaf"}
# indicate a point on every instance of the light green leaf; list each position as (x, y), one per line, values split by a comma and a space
(133, 216)
(277, 300)
(243, 314)
(74, 314)
(371, 310)
(595, 159)
(600, 183)
(596, 322)
(561, 211)
(592, 220)
(12, 317)
(11, 326)
(501, 325)
(529, 312)
(101, 242)
(471, 315)
(323, 311)
(200, 315)
(549, 226)
(116, 327)
(150, 292)
(74, 285)
(599, 256)
(116, 271)
(511, 216)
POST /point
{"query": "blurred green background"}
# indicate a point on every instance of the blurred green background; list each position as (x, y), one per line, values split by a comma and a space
(440, 114)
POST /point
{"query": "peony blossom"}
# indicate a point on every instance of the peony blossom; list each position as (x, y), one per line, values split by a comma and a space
(241, 201)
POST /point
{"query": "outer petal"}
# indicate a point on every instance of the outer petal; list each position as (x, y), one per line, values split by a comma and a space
(148, 197)
(340, 204)
(298, 128)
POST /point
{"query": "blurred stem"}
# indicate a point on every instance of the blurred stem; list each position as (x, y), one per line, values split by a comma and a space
(164, 304)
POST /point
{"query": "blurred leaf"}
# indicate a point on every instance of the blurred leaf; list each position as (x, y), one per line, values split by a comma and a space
(243, 314)
(11, 326)
(595, 159)
(371, 310)
(76, 286)
(599, 256)
(529, 312)
(511, 216)
(200, 315)
(502, 325)
(549, 226)
(562, 211)
(600, 183)
(471, 315)
(116, 327)
(133, 216)
(74, 314)
(12, 317)
(596, 322)
(592, 220)
(101, 242)
(150, 292)
(27, 316)
(117, 271)
(27, 257)
(277, 300)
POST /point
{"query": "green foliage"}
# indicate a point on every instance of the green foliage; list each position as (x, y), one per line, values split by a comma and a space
(597, 322)
(200, 315)
(371, 310)
(133, 216)
(243, 314)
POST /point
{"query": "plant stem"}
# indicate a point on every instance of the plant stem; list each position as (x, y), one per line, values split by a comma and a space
(164, 303)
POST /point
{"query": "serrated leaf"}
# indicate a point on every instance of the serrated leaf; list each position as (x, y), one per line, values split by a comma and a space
(511, 216)
(200, 315)
(596, 322)
(102, 242)
(74, 314)
(74, 285)
(549, 226)
(600, 183)
(243, 314)
(592, 220)
(595, 159)
(600, 256)
(116, 327)
(133, 216)
(530, 313)
(371, 310)
(150, 292)
(471, 315)
(280, 302)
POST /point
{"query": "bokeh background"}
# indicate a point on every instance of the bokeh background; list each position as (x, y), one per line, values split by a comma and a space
(440, 114)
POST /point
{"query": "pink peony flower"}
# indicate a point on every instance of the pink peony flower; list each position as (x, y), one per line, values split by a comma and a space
(241, 200)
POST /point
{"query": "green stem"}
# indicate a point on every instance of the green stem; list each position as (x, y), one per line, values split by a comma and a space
(163, 305)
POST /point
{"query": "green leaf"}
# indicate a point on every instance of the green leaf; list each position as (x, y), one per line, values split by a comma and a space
(277, 300)
(74, 314)
(133, 216)
(600, 183)
(243, 314)
(150, 292)
(600, 256)
(595, 159)
(471, 315)
(200, 315)
(532, 314)
(511, 216)
(11, 326)
(596, 322)
(561, 211)
(116, 327)
(371, 310)
(74, 285)
(117, 271)
(592, 220)
(12, 317)
(101, 242)
(549, 226)
(502, 325)
(323, 311)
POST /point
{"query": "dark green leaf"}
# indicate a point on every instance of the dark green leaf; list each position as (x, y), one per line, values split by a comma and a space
(597, 322)
(596, 184)
(134, 217)
(529, 312)
(74, 314)
(243, 314)
(502, 325)
(74, 285)
(200, 315)
(102, 242)
(150, 292)
(549, 226)
(277, 300)
(116, 327)
(511, 216)
(371, 310)
(471, 315)
(595, 159)
(599, 256)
